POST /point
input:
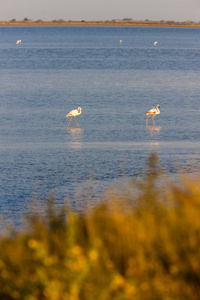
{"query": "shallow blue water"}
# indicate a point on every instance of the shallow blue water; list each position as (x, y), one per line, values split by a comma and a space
(57, 69)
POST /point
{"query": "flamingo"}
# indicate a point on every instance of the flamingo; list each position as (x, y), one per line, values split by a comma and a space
(18, 42)
(152, 112)
(155, 43)
(74, 113)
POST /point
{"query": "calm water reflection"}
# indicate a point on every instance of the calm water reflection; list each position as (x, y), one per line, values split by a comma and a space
(58, 69)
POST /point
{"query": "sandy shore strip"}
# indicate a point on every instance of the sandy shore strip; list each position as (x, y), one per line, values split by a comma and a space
(101, 23)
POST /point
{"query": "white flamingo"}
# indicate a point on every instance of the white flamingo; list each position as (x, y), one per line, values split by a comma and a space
(74, 113)
(18, 42)
(152, 112)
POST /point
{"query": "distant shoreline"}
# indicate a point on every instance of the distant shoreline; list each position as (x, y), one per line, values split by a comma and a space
(117, 23)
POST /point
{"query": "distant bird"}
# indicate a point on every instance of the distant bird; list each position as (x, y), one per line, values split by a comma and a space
(120, 41)
(155, 43)
(74, 113)
(18, 42)
(152, 112)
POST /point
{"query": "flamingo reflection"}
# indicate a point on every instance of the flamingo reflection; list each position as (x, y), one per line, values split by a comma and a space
(153, 128)
(75, 137)
(75, 131)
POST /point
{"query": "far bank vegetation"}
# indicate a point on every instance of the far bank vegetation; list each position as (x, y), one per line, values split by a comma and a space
(115, 22)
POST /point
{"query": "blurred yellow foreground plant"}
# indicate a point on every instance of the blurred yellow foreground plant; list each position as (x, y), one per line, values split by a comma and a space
(142, 243)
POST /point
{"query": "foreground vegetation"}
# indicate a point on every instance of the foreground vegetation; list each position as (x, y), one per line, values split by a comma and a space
(142, 243)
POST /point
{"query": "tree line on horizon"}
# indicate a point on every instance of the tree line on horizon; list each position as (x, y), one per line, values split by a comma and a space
(113, 20)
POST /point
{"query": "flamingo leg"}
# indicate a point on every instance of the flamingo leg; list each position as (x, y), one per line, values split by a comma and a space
(147, 118)
(69, 121)
(76, 121)
(153, 120)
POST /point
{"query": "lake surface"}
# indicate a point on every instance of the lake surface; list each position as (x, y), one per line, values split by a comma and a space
(57, 69)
